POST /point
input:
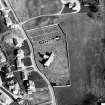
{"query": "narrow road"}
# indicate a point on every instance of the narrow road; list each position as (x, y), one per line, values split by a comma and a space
(19, 26)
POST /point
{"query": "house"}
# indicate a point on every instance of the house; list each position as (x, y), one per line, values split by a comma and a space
(31, 88)
(8, 22)
(26, 48)
(47, 58)
(15, 89)
(2, 57)
(0, 82)
(4, 98)
(29, 85)
(50, 60)
(20, 56)
(75, 5)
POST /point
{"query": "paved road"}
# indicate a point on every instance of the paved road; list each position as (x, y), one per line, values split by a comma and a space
(32, 57)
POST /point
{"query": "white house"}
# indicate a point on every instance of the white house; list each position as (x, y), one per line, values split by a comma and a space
(4, 98)
(2, 57)
(50, 60)
(77, 4)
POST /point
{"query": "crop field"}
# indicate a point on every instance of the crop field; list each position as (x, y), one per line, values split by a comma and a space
(34, 8)
(51, 39)
(87, 60)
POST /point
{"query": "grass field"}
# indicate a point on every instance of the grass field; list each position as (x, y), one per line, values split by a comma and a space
(86, 60)
(38, 80)
(58, 71)
(34, 8)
